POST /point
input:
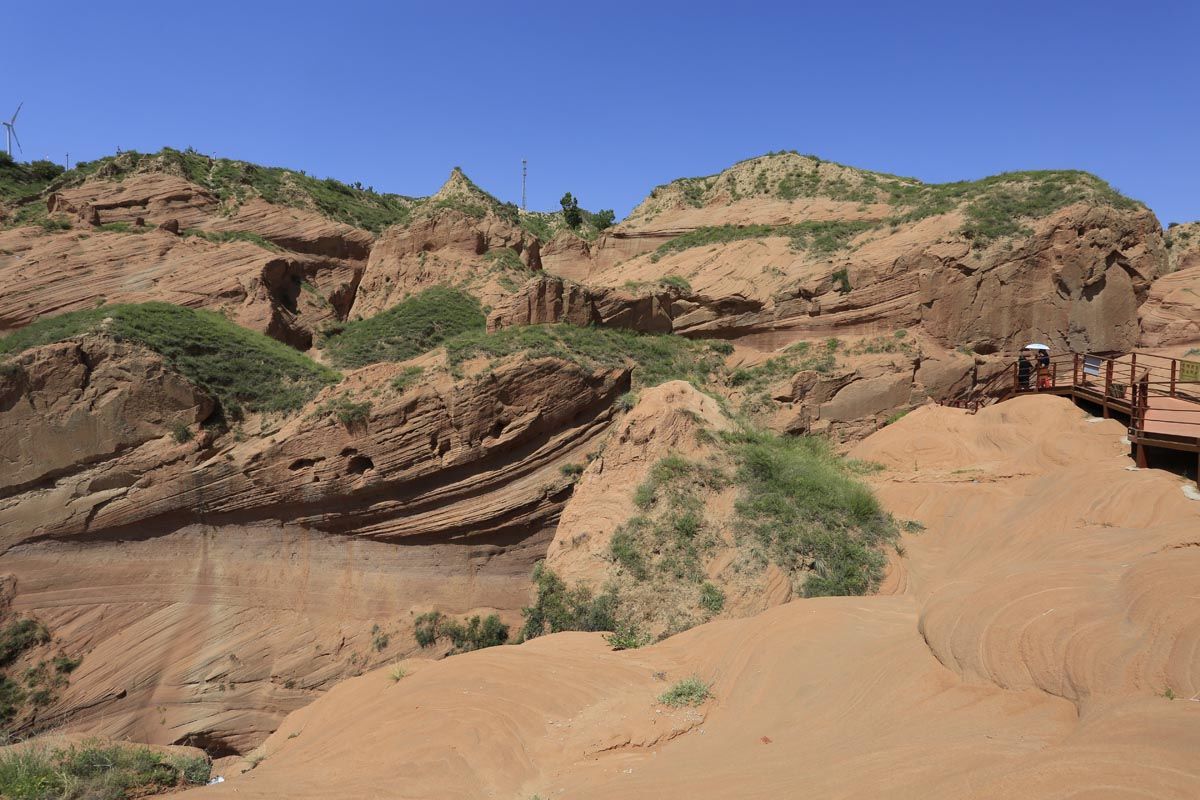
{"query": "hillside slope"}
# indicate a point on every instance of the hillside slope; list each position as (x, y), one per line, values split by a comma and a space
(1037, 632)
(815, 248)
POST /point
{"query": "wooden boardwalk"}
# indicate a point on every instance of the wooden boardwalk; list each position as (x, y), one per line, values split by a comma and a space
(1157, 395)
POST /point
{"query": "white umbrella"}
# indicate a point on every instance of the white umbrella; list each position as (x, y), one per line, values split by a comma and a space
(1037, 347)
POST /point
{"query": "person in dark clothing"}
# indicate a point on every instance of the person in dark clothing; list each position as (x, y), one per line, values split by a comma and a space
(1043, 359)
(1024, 371)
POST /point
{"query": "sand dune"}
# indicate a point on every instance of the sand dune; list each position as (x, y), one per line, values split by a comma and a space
(1039, 628)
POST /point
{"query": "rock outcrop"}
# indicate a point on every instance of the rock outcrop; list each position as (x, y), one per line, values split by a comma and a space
(214, 583)
(459, 236)
(549, 299)
(1170, 316)
(283, 271)
(813, 250)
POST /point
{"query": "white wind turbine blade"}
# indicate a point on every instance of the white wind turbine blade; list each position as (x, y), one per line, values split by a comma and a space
(15, 139)
(18, 111)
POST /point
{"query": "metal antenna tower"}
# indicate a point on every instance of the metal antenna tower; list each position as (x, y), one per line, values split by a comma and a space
(524, 171)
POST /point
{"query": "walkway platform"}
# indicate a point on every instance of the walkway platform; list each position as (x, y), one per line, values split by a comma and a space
(1158, 396)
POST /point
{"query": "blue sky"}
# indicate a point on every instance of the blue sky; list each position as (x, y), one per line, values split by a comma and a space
(607, 100)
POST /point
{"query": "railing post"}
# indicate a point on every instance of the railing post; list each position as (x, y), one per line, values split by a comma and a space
(1108, 385)
(1132, 368)
(1075, 370)
(1173, 364)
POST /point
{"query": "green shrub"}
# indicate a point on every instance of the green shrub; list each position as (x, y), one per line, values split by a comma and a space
(841, 277)
(414, 326)
(180, 432)
(427, 626)
(627, 636)
(476, 634)
(572, 471)
(571, 214)
(345, 410)
(626, 551)
(379, 639)
(687, 692)
(407, 377)
(65, 665)
(12, 698)
(676, 282)
(93, 771)
(238, 366)
(602, 219)
(558, 608)
(671, 541)
(19, 636)
(505, 258)
(712, 599)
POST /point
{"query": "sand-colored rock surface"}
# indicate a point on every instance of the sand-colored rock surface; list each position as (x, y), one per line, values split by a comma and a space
(213, 585)
(1038, 629)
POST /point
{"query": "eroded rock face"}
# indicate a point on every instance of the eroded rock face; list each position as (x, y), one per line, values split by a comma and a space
(549, 299)
(1171, 314)
(1077, 283)
(212, 585)
(447, 247)
(305, 276)
(1073, 278)
(75, 403)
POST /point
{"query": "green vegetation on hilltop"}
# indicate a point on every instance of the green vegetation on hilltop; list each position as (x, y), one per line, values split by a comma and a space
(95, 771)
(994, 207)
(819, 237)
(234, 182)
(410, 328)
(240, 367)
(19, 181)
(657, 358)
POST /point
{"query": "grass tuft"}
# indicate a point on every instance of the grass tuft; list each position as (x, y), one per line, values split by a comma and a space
(656, 358)
(687, 692)
(93, 771)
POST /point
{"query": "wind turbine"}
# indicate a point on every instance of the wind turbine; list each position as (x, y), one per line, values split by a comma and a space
(11, 130)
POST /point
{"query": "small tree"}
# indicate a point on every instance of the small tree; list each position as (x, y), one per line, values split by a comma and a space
(603, 219)
(571, 213)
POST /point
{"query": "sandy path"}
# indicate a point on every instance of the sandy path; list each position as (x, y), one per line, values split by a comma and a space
(1052, 601)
